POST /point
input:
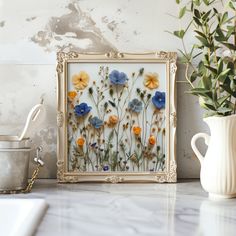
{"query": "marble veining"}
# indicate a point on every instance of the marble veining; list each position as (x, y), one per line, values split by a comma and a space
(132, 209)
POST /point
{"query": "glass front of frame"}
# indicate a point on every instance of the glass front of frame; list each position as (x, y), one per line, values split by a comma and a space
(116, 117)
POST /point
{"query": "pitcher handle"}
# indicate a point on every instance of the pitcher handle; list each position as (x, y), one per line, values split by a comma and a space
(194, 147)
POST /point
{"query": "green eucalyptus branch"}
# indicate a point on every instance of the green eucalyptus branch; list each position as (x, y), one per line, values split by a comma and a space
(209, 72)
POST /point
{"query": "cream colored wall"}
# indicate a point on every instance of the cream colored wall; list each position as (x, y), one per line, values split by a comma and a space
(32, 31)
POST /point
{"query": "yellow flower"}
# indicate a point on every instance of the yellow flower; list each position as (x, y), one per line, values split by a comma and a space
(152, 140)
(81, 80)
(113, 120)
(72, 94)
(80, 142)
(137, 130)
(151, 80)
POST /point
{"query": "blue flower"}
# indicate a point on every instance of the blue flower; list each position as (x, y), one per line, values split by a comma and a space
(96, 122)
(118, 78)
(159, 100)
(105, 168)
(82, 109)
(135, 105)
(93, 145)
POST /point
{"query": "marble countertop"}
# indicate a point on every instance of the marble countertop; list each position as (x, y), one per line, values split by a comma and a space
(131, 209)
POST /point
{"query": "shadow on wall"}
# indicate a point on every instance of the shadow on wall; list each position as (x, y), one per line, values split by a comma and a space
(189, 122)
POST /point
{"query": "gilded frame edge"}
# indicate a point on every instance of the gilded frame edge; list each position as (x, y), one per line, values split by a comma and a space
(161, 56)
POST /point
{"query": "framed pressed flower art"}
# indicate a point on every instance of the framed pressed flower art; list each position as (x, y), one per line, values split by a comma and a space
(116, 117)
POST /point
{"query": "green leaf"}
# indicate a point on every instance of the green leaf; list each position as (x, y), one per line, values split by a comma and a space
(206, 2)
(230, 32)
(227, 88)
(215, 10)
(206, 104)
(206, 81)
(220, 37)
(231, 5)
(230, 65)
(220, 66)
(224, 110)
(212, 69)
(206, 57)
(182, 12)
(202, 92)
(197, 13)
(112, 103)
(221, 100)
(230, 46)
(177, 1)
(206, 15)
(232, 85)
(197, 2)
(210, 107)
(198, 54)
(203, 41)
(222, 76)
(193, 76)
(201, 67)
(224, 18)
(214, 95)
(185, 58)
(200, 34)
(179, 33)
(197, 21)
(210, 113)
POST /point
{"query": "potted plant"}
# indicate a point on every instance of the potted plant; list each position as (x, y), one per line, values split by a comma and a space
(211, 73)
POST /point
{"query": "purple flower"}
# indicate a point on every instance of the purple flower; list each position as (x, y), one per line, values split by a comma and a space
(106, 168)
(135, 105)
(159, 100)
(96, 122)
(82, 109)
(118, 78)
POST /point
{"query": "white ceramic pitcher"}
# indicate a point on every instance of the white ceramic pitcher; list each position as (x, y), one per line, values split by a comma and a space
(218, 167)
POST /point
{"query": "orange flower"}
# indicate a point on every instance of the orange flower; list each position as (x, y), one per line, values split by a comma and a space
(80, 142)
(151, 80)
(137, 130)
(152, 140)
(81, 80)
(72, 94)
(113, 120)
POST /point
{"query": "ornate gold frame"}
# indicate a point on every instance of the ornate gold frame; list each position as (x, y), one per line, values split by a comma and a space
(169, 59)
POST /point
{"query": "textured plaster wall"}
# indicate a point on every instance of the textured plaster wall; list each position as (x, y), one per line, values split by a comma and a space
(32, 31)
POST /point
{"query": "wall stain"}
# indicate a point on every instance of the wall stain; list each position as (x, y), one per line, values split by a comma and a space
(68, 31)
(136, 33)
(2, 23)
(47, 138)
(105, 19)
(112, 25)
(31, 18)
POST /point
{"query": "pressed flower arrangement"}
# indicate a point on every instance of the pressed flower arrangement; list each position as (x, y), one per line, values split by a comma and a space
(116, 119)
